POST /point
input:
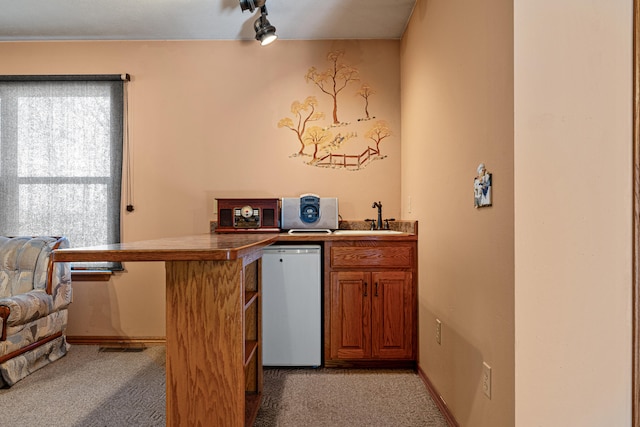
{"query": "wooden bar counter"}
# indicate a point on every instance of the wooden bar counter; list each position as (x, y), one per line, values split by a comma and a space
(214, 356)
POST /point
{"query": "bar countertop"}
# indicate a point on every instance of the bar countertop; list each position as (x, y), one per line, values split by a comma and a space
(201, 247)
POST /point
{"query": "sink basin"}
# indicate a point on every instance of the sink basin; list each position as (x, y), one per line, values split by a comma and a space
(364, 232)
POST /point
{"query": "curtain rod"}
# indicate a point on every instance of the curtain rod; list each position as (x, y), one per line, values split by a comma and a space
(65, 77)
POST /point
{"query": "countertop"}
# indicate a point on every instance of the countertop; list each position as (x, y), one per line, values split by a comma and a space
(404, 230)
(220, 246)
(201, 247)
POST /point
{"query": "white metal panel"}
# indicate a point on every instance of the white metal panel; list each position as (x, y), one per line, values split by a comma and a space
(291, 306)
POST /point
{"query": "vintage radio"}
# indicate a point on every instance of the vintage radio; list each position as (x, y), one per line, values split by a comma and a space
(248, 215)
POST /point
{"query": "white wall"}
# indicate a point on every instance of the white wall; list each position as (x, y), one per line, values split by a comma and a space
(573, 145)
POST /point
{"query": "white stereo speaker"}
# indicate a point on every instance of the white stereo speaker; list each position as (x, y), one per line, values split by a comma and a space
(309, 212)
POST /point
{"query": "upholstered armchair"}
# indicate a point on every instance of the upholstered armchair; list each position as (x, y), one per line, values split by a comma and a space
(34, 295)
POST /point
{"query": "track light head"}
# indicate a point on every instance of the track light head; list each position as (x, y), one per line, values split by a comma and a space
(265, 32)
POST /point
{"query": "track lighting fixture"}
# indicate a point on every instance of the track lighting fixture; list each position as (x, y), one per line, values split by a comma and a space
(265, 32)
(251, 5)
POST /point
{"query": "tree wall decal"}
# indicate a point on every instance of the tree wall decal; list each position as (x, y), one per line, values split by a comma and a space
(365, 92)
(333, 80)
(317, 136)
(378, 132)
(298, 108)
(329, 150)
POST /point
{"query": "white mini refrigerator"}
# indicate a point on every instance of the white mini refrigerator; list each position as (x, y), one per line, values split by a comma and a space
(291, 305)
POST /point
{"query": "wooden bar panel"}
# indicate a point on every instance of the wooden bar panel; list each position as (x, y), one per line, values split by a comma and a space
(205, 370)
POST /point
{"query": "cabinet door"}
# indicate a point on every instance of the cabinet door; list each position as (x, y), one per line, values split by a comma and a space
(350, 315)
(392, 315)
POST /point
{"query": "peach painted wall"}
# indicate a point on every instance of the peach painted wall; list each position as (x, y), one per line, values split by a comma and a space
(457, 112)
(573, 175)
(203, 124)
(539, 285)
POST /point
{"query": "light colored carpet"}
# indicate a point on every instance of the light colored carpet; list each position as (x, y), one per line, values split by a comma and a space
(346, 398)
(90, 388)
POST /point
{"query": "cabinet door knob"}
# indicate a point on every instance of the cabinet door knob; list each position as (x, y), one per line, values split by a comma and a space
(365, 289)
(376, 294)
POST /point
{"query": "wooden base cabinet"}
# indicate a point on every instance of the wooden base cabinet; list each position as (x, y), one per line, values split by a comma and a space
(371, 315)
(371, 303)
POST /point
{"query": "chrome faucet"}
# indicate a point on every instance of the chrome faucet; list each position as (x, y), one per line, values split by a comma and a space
(379, 206)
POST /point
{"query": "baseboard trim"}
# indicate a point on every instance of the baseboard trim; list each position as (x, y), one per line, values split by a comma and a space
(442, 405)
(386, 364)
(115, 341)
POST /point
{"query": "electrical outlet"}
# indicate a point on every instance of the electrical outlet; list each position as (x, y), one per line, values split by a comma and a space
(486, 379)
(438, 331)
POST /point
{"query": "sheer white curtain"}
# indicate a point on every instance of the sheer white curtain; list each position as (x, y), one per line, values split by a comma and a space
(61, 142)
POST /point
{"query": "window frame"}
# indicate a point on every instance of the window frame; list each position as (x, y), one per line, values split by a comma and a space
(9, 163)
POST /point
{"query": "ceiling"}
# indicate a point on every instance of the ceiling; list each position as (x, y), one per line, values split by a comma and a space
(200, 19)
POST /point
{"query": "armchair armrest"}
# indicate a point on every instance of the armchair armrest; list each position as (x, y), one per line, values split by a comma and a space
(33, 285)
(24, 308)
(57, 273)
(4, 315)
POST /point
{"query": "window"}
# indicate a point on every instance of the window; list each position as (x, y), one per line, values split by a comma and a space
(61, 140)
